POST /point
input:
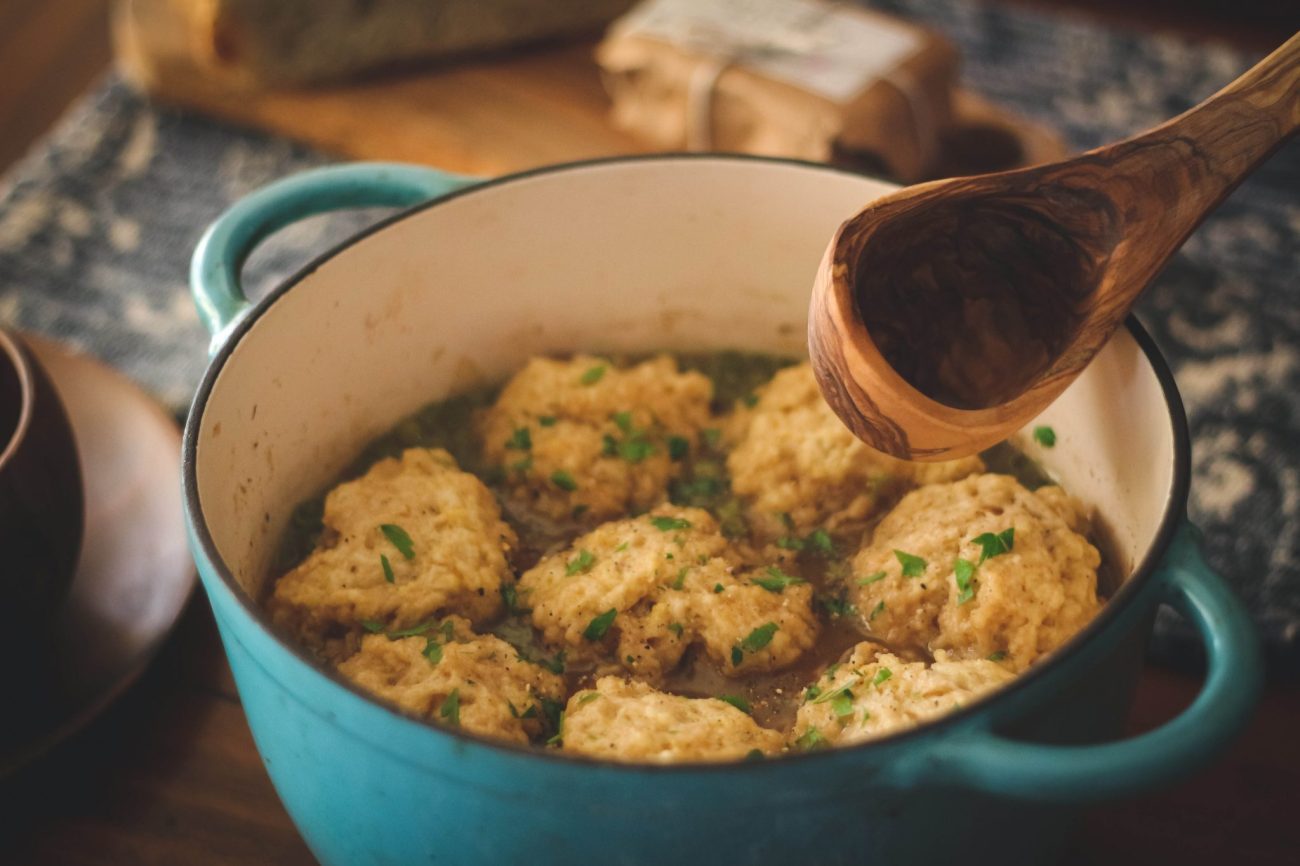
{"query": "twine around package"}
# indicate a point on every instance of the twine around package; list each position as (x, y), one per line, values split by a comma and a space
(793, 78)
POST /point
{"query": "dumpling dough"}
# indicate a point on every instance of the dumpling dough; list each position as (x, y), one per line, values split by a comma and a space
(582, 439)
(1026, 602)
(498, 694)
(672, 579)
(874, 693)
(792, 456)
(630, 721)
(459, 541)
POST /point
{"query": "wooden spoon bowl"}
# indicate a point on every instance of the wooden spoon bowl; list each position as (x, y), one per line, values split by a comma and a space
(947, 315)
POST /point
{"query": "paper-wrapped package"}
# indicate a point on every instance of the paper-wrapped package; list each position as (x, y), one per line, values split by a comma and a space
(793, 78)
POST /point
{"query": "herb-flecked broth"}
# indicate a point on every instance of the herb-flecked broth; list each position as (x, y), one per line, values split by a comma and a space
(820, 559)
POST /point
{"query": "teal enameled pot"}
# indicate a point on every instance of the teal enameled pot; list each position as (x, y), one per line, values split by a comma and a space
(678, 252)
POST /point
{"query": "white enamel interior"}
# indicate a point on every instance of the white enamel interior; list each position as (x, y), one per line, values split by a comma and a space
(685, 253)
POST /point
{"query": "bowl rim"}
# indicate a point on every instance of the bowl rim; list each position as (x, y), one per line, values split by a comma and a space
(15, 354)
(1061, 658)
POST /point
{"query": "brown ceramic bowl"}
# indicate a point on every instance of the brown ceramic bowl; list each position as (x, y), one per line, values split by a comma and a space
(42, 512)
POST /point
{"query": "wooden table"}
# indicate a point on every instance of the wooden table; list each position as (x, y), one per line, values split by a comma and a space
(170, 774)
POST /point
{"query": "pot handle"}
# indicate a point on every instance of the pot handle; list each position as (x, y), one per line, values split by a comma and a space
(227, 243)
(986, 761)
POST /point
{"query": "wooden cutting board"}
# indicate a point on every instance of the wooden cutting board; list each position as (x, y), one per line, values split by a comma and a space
(485, 116)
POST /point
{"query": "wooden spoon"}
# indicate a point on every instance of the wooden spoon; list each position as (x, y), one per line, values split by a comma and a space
(947, 315)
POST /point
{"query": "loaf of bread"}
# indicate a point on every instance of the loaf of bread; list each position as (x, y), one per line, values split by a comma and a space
(289, 42)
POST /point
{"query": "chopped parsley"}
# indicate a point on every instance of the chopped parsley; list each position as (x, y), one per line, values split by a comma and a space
(678, 447)
(636, 448)
(1045, 436)
(397, 536)
(608, 446)
(874, 577)
(553, 716)
(913, 566)
(992, 544)
(622, 420)
(717, 588)
(876, 611)
(388, 569)
(753, 642)
(842, 704)
(736, 701)
(790, 542)
(963, 571)
(997, 656)
(810, 740)
(580, 564)
(675, 628)
(750, 400)
(373, 626)
(413, 630)
(822, 697)
(820, 541)
(523, 464)
(546, 420)
(593, 374)
(777, 580)
(670, 524)
(432, 651)
(882, 675)
(563, 480)
(599, 625)
(520, 440)
(622, 547)
(835, 605)
(510, 595)
(450, 709)
(712, 436)
(588, 698)
(681, 577)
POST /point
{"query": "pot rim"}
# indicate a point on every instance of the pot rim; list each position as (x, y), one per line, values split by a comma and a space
(1058, 660)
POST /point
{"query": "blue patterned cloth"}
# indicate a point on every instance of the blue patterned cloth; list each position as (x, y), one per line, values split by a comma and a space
(96, 226)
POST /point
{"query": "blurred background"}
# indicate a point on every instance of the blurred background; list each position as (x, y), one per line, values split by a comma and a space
(125, 127)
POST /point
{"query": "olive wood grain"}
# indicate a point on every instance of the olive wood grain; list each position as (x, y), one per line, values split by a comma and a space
(947, 315)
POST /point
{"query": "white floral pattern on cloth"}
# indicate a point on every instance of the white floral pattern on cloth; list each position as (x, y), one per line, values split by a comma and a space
(96, 227)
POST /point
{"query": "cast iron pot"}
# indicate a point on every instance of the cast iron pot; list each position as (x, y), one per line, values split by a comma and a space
(671, 253)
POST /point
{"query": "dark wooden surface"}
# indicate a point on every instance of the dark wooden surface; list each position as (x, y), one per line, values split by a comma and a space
(169, 775)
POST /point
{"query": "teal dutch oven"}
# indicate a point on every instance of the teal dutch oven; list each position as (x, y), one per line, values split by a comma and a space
(677, 252)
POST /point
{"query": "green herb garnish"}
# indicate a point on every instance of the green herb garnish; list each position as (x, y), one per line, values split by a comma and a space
(623, 420)
(635, 449)
(388, 569)
(397, 536)
(675, 628)
(450, 709)
(835, 605)
(523, 464)
(876, 611)
(563, 480)
(412, 631)
(1045, 436)
(510, 596)
(913, 566)
(736, 701)
(712, 436)
(753, 642)
(373, 626)
(777, 580)
(992, 545)
(842, 704)
(608, 446)
(546, 420)
(669, 524)
(717, 588)
(790, 542)
(811, 739)
(875, 577)
(678, 447)
(593, 374)
(588, 698)
(580, 564)
(681, 577)
(599, 625)
(882, 675)
(520, 440)
(963, 571)
(997, 656)
(432, 651)
(820, 541)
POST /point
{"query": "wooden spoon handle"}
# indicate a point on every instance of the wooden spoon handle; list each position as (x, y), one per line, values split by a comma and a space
(1201, 155)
